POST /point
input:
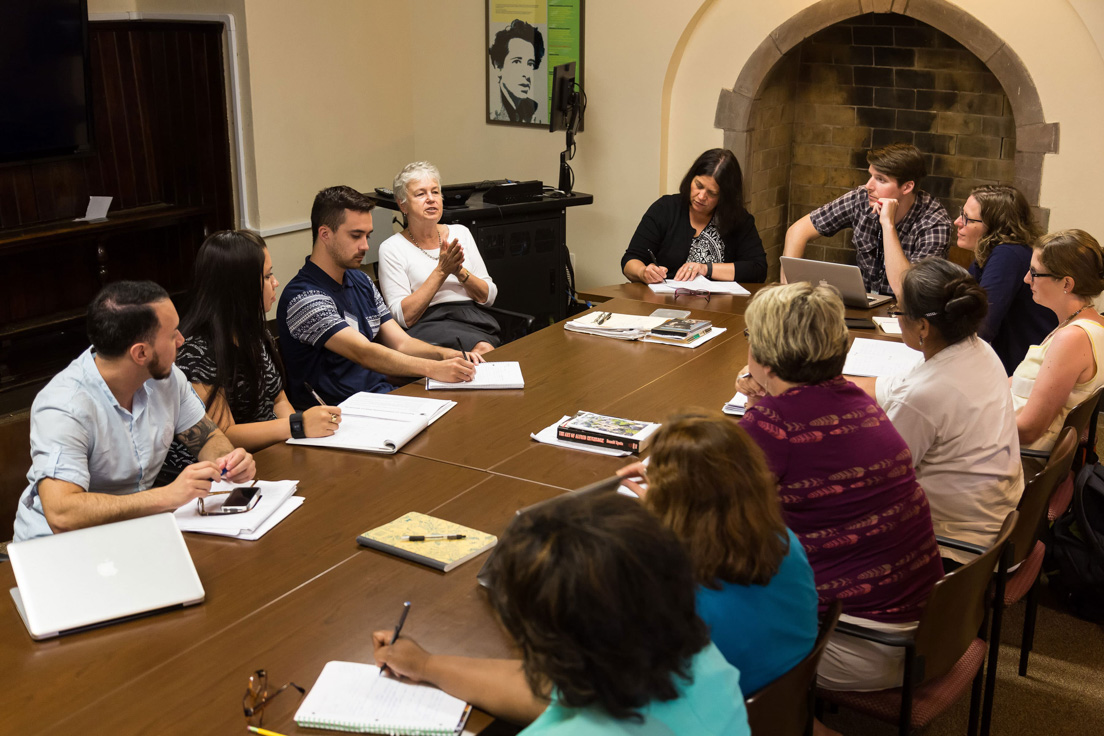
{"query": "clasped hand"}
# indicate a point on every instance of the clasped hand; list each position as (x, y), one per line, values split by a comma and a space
(451, 260)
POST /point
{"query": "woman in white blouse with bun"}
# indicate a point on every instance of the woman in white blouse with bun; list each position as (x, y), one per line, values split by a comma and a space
(432, 275)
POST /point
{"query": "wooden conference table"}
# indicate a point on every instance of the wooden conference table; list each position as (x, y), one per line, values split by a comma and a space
(306, 593)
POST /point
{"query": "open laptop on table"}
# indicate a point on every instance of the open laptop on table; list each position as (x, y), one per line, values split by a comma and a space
(846, 278)
(101, 575)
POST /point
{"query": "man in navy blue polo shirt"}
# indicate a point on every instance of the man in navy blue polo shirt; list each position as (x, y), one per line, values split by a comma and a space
(336, 333)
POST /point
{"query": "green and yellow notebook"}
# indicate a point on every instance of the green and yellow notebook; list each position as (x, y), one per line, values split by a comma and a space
(442, 554)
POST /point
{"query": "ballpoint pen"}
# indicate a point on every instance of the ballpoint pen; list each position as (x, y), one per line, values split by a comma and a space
(333, 417)
(398, 629)
(460, 346)
(427, 537)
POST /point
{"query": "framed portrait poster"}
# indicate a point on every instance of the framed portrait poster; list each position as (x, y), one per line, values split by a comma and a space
(526, 40)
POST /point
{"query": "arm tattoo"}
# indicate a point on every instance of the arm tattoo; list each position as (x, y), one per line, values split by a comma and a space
(196, 437)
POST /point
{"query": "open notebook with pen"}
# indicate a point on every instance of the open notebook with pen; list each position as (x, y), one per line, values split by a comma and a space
(349, 696)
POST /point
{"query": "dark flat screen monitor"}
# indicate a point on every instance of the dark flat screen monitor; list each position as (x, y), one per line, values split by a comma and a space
(45, 100)
(563, 107)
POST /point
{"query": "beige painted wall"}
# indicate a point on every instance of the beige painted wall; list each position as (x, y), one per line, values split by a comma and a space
(350, 90)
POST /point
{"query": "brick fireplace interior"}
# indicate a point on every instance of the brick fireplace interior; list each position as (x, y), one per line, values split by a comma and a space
(861, 83)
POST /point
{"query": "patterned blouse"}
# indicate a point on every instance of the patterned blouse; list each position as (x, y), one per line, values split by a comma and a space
(707, 246)
(198, 364)
(849, 493)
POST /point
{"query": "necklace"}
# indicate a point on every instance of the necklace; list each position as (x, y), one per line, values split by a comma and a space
(1068, 320)
(423, 251)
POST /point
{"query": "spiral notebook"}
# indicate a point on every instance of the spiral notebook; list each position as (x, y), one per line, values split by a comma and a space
(349, 696)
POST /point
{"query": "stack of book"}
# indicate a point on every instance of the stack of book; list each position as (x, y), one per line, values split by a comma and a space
(680, 331)
(603, 431)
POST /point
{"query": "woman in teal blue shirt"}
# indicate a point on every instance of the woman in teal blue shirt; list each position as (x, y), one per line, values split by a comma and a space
(599, 598)
(708, 482)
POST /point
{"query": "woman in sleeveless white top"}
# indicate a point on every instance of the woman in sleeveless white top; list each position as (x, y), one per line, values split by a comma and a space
(1067, 272)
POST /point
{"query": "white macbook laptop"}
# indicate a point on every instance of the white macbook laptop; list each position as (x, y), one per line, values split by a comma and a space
(846, 278)
(100, 575)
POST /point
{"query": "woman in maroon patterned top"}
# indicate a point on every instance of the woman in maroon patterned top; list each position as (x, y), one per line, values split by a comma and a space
(844, 475)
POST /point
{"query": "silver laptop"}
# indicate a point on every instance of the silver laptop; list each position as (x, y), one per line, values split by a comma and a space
(846, 278)
(101, 575)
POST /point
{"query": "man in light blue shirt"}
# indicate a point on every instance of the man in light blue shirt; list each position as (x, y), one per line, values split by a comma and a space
(101, 428)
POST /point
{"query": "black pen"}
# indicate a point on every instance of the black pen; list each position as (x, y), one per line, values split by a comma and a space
(314, 394)
(398, 628)
(461, 346)
(652, 255)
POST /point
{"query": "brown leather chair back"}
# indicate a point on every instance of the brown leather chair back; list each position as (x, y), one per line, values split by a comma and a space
(15, 460)
(956, 609)
(1036, 495)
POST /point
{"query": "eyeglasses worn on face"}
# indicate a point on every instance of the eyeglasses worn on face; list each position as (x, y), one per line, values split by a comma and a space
(967, 220)
(1039, 274)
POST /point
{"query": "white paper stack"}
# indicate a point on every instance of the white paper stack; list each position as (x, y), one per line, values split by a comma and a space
(736, 406)
(617, 326)
(700, 283)
(380, 422)
(880, 358)
(889, 325)
(501, 375)
(275, 505)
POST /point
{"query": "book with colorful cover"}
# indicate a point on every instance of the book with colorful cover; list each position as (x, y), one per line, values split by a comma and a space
(614, 432)
(681, 327)
(441, 554)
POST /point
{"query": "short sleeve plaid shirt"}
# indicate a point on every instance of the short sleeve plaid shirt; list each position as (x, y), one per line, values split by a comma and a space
(925, 231)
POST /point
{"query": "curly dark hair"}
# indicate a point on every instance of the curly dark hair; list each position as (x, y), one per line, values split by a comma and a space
(599, 597)
(517, 29)
(721, 164)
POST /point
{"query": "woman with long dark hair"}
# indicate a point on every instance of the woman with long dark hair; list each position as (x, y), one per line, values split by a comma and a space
(704, 230)
(229, 355)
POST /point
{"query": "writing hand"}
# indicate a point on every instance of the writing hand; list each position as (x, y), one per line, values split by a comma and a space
(452, 370)
(321, 421)
(405, 658)
(653, 274)
(634, 476)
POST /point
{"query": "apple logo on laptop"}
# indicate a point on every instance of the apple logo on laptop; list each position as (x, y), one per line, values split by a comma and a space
(824, 283)
(107, 569)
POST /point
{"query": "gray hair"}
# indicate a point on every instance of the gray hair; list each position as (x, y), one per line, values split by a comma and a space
(413, 172)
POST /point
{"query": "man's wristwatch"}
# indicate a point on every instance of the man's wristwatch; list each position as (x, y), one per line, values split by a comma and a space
(297, 431)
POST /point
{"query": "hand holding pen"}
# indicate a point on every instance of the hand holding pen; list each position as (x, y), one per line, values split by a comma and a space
(321, 420)
(394, 637)
(653, 273)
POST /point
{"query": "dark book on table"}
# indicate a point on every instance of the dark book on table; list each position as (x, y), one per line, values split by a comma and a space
(681, 327)
(605, 431)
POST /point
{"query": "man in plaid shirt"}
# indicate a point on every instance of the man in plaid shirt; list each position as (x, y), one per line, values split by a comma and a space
(893, 222)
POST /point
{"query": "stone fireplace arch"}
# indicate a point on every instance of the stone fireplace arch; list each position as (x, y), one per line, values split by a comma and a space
(1035, 137)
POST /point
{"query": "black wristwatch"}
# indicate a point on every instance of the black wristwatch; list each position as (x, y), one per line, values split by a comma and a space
(709, 270)
(297, 431)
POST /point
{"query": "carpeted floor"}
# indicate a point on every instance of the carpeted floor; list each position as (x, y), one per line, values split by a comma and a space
(1062, 695)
